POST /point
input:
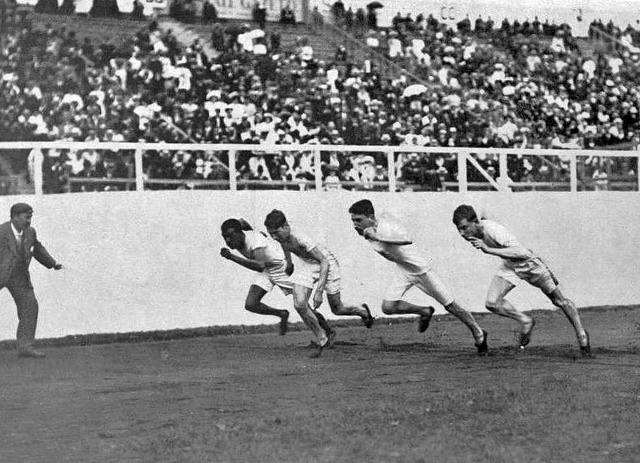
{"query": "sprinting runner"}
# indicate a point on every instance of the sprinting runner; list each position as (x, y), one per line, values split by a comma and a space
(317, 267)
(393, 243)
(265, 256)
(518, 263)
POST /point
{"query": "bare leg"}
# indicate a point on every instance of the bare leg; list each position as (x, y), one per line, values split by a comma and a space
(570, 310)
(404, 307)
(338, 308)
(497, 303)
(467, 318)
(301, 303)
(253, 304)
(324, 324)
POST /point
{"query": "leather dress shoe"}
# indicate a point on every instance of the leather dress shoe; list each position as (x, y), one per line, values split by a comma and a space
(30, 352)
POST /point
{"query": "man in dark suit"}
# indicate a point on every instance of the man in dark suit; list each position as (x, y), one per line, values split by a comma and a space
(18, 243)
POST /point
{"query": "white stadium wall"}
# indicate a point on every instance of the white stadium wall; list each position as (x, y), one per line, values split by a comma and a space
(577, 13)
(150, 261)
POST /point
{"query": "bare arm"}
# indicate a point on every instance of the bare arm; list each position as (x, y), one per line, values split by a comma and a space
(251, 264)
(322, 278)
(372, 234)
(324, 268)
(511, 252)
(287, 255)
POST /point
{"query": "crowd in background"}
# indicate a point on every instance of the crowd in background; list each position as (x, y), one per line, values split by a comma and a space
(523, 85)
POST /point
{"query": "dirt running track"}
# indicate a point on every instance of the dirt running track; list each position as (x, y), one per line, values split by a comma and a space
(386, 394)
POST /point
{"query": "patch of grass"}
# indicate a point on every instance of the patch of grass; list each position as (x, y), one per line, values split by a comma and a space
(382, 395)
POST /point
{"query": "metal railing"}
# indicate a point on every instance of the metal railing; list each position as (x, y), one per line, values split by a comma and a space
(469, 171)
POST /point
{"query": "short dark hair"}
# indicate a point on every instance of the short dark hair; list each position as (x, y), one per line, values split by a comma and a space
(231, 224)
(20, 208)
(235, 224)
(244, 225)
(363, 207)
(275, 219)
(464, 211)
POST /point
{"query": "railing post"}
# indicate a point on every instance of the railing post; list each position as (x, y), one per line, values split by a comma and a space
(391, 169)
(38, 160)
(503, 165)
(574, 172)
(317, 160)
(462, 172)
(139, 170)
(638, 167)
(233, 181)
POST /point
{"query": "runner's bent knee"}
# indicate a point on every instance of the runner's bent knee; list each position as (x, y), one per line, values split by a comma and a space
(389, 307)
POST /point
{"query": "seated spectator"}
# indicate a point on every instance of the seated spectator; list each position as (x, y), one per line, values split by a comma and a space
(287, 15)
(46, 6)
(341, 54)
(332, 181)
(154, 89)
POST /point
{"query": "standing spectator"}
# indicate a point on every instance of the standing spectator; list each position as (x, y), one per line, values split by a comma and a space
(316, 17)
(260, 13)
(338, 12)
(348, 19)
(209, 11)
(19, 244)
(361, 21)
(138, 10)
(274, 42)
(68, 7)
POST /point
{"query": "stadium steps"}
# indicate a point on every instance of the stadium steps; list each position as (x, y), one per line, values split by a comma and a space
(590, 48)
(98, 30)
(186, 33)
(358, 52)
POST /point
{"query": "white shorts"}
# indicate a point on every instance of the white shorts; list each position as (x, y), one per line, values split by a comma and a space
(534, 271)
(428, 282)
(307, 274)
(274, 276)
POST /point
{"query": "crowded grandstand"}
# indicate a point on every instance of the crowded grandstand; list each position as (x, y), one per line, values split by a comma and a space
(331, 77)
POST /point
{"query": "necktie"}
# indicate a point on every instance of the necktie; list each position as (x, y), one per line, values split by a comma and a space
(21, 246)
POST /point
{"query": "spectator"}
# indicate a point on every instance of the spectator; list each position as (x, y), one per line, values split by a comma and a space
(138, 10)
(209, 12)
(338, 11)
(287, 15)
(260, 13)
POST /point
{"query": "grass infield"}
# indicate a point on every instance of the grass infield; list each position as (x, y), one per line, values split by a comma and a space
(245, 394)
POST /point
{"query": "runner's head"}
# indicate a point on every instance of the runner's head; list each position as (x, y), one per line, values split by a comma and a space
(277, 225)
(466, 221)
(233, 233)
(362, 215)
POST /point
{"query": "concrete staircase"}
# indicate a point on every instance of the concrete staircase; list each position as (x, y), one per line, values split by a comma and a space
(591, 47)
(98, 30)
(186, 33)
